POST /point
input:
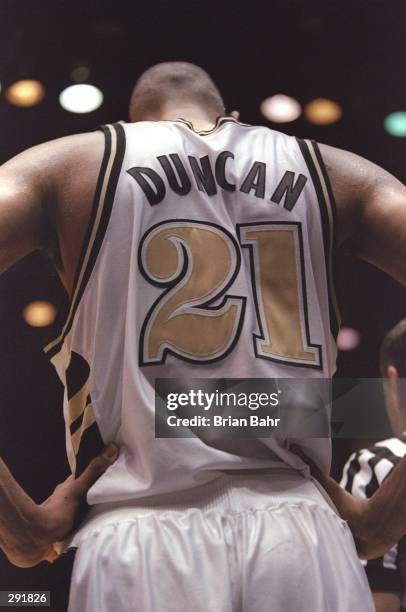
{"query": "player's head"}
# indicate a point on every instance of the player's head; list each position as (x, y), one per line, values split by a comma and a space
(393, 369)
(170, 85)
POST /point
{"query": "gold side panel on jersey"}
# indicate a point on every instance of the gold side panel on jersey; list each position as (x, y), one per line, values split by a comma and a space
(77, 404)
(178, 322)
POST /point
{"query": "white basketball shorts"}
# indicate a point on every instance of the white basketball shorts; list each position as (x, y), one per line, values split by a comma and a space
(242, 543)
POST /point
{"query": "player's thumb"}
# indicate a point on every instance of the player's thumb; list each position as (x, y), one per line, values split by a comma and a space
(96, 468)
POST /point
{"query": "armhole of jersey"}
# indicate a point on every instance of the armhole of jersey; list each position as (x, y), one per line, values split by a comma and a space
(114, 149)
(328, 215)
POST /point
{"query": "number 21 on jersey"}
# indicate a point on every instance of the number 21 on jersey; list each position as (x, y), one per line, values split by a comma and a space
(197, 320)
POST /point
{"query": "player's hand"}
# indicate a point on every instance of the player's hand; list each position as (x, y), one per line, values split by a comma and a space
(351, 509)
(56, 515)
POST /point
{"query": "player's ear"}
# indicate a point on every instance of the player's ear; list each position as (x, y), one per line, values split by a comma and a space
(392, 387)
(392, 372)
(235, 114)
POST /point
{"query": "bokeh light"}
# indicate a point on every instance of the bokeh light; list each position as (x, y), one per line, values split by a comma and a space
(395, 124)
(348, 339)
(39, 314)
(81, 98)
(25, 93)
(322, 111)
(281, 109)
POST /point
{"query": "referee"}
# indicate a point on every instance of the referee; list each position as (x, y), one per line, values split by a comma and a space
(366, 469)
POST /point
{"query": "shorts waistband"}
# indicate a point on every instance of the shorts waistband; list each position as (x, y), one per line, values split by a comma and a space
(233, 492)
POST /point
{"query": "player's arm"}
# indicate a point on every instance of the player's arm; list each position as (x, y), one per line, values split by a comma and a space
(28, 530)
(385, 580)
(377, 523)
(385, 601)
(371, 210)
(33, 187)
(46, 194)
(23, 197)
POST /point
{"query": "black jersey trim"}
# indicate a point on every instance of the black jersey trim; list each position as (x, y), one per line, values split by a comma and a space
(91, 444)
(328, 215)
(114, 150)
(80, 419)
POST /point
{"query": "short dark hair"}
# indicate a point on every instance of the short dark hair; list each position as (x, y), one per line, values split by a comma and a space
(393, 349)
(177, 82)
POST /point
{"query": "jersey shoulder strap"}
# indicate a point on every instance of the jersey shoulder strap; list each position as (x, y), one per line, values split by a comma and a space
(328, 214)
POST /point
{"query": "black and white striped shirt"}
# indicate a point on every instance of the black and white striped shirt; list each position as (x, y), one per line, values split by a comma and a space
(363, 474)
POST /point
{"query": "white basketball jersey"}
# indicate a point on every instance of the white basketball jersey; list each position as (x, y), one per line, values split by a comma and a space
(208, 255)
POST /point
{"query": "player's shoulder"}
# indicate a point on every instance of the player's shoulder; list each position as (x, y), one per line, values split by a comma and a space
(54, 156)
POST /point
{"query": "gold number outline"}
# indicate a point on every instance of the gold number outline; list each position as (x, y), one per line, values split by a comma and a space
(302, 296)
(176, 279)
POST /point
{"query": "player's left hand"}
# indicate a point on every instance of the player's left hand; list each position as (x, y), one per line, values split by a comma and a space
(56, 515)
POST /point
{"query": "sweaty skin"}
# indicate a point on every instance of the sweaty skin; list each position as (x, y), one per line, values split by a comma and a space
(46, 195)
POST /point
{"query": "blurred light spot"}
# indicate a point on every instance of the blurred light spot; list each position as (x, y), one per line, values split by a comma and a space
(80, 74)
(322, 111)
(281, 109)
(39, 314)
(25, 93)
(81, 98)
(348, 339)
(395, 124)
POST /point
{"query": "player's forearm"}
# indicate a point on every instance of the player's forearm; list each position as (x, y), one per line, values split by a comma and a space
(22, 533)
(384, 520)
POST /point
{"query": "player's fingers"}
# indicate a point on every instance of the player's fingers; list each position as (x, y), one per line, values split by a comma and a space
(235, 114)
(51, 555)
(96, 468)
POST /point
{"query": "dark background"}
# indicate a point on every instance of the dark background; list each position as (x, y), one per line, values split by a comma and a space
(352, 51)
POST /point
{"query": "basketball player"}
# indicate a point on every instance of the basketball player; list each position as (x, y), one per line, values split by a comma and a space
(195, 246)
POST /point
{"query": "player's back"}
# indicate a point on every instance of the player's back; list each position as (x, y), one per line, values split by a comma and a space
(208, 255)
